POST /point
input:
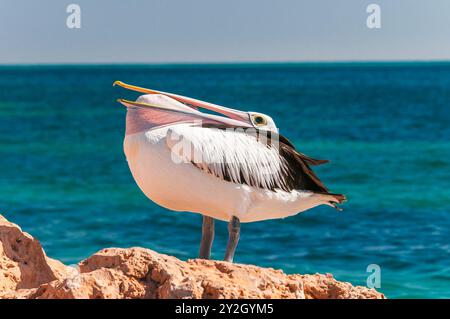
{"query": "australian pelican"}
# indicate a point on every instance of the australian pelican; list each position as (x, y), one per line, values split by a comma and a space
(233, 167)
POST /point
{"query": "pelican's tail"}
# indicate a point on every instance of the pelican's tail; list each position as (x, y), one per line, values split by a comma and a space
(334, 199)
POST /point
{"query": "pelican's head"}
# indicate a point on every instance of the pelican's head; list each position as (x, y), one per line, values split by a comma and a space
(262, 121)
(157, 108)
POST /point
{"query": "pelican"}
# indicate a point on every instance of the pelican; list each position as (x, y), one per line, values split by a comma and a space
(232, 165)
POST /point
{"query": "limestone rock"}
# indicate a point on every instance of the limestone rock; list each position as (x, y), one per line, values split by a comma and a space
(23, 263)
(26, 272)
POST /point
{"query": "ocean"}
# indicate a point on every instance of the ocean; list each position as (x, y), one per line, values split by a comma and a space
(385, 127)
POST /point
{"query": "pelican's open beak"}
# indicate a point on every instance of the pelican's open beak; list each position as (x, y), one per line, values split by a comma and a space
(193, 103)
(129, 103)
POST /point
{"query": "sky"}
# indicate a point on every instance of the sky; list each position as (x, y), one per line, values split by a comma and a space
(168, 31)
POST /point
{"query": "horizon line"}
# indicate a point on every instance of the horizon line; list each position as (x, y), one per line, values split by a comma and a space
(200, 63)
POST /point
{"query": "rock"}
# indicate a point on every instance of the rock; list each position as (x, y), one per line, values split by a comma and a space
(25, 272)
(23, 263)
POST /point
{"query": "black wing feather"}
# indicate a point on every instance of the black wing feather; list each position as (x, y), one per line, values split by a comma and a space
(298, 176)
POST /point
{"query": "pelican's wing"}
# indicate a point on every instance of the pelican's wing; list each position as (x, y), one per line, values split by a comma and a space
(240, 157)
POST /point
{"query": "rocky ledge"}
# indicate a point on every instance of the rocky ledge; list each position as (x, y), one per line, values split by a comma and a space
(26, 272)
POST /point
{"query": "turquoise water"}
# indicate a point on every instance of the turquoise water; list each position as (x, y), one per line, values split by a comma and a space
(385, 128)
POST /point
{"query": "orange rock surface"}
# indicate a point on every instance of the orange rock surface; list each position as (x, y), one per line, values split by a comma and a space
(26, 272)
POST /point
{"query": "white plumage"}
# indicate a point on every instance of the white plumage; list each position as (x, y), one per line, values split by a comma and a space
(233, 152)
(181, 186)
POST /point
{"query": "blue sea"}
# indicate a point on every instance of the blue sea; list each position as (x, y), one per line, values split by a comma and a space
(384, 126)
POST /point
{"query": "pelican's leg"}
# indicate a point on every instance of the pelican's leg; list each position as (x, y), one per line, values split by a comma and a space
(207, 237)
(233, 229)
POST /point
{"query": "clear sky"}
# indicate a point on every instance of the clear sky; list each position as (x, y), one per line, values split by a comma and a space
(160, 31)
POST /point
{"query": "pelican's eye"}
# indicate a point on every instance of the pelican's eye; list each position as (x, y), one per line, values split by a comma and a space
(259, 120)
